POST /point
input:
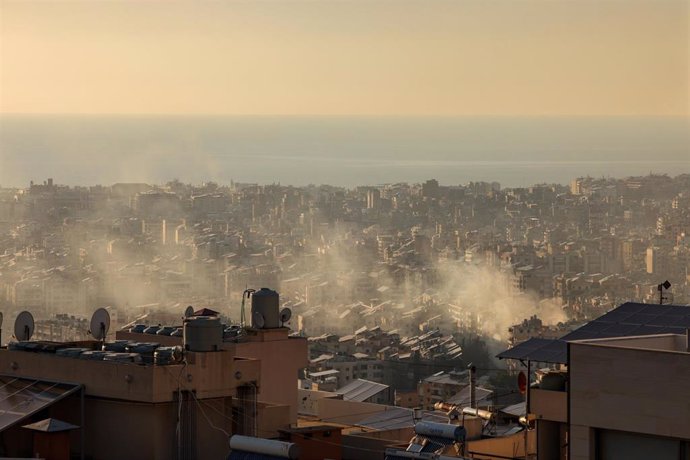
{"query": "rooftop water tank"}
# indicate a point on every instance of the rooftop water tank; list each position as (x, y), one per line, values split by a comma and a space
(440, 430)
(202, 333)
(265, 309)
(268, 447)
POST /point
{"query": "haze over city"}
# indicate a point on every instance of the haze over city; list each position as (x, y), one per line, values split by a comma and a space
(345, 230)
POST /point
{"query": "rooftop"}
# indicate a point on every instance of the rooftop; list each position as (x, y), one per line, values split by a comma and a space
(628, 320)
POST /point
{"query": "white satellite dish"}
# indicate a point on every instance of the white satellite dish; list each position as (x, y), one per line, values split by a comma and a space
(258, 320)
(189, 311)
(100, 323)
(24, 326)
(285, 315)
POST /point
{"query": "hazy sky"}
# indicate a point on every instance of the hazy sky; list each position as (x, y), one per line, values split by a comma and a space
(424, 57)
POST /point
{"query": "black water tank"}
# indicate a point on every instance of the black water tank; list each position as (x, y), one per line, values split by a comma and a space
(266, 302)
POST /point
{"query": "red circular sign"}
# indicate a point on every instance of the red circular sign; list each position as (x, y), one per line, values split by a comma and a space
(522, 382)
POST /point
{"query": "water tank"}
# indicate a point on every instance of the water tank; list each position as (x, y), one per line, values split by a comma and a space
(266, 302)
(440, 430)
(202, 333)
(267, 447)
(554, 381)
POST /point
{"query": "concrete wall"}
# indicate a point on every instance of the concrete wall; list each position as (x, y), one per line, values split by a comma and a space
(309, 400)
(549, 405)
(626, 389)
(503, 447)
(281, 358)
(272, 418)
(668, 342)
(209, 374)
(117, 429)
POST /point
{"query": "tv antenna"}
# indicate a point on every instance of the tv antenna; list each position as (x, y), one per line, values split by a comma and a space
(189, 311)
(100, 323)
(665, 285)
(285, 315)
(24, 326)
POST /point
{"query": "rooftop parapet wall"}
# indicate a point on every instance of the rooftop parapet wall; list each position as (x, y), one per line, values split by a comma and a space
(629, 389)
(215, 374)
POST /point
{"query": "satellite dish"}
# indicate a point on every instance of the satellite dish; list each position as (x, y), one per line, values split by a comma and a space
(285, 315)
(189, 311)
(24, 326)
(100, 323)
(258, 320)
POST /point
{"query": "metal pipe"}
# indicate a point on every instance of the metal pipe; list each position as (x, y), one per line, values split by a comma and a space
(527, 408)
(82, 439)
(473, 386)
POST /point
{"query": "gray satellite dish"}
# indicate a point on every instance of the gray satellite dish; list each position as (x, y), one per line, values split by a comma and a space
(100, 323)
(189, 311)
(24, 326)
(285, 315)
(258, 320)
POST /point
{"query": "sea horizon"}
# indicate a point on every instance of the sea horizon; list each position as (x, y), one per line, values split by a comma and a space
(337, 150)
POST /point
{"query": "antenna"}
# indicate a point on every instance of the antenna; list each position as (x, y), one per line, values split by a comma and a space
(100, 323)
(24, 326)
(660, 288)
(285, 315)
(258, 320)
(189, 311)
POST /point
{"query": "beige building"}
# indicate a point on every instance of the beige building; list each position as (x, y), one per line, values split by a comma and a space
(280, 359)
(630, 398)
(129, 410)
(136, 406)
(618, 387)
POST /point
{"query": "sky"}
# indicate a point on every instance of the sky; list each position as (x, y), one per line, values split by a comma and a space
(357, 57)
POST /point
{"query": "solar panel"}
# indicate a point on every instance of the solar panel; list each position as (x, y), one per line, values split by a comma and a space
(23, 397)
(629, 319)
(537, 349)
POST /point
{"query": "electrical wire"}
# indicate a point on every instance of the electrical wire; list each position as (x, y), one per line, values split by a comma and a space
(208, 420)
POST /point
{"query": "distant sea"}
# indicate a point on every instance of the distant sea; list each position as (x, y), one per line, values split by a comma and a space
(347, 151)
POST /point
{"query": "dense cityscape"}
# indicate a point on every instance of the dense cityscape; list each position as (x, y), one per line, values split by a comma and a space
(395, 291)
(397, 300)
(437, 256)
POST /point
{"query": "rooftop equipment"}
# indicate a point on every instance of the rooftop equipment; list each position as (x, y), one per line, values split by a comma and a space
(278, 449)
(100, 323)
(266, 313)
(265, 309)
(24, 326)
(441, 430)
(202, 333)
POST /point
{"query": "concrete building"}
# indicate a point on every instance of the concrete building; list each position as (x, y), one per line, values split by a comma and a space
(617, 386)
(144, 404)
(169, 397)
(629, 398)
